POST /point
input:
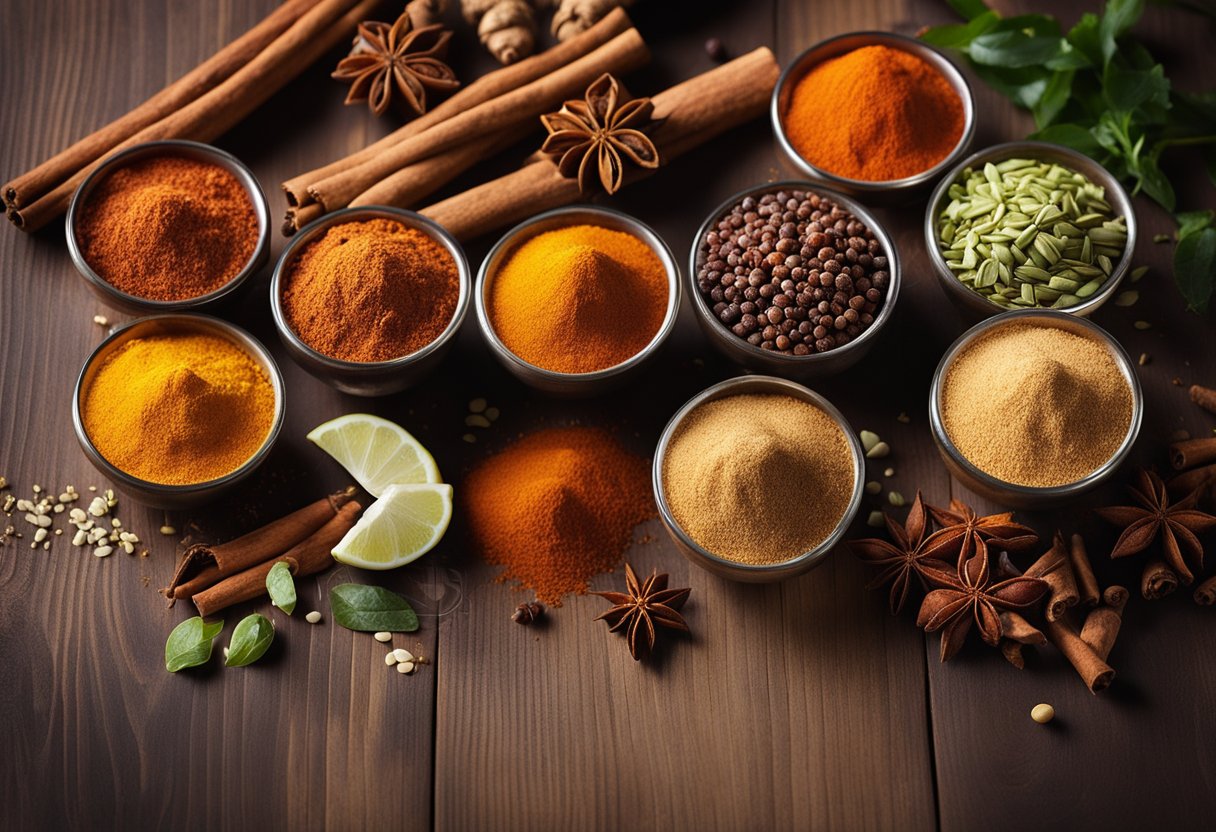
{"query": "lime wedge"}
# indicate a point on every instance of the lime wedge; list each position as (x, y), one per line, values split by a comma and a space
(376, 452)
(402, 526)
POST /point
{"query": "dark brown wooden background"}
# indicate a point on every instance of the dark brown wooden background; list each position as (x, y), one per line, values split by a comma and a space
(801, 705)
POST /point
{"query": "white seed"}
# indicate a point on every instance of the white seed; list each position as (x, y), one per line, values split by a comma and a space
(225, 654)
(1042, 713)
(58, 508)
(86, 525)
(58, 532)
(103, 551)
(390, 659)
(895, 498)
(24, 505)
(477, 421)
(313, 617)
(405, 667)
(470, 438)
(869, 439)
(873, 488)
(79, 539)
(890, 472)
(876, 520)
(33, 545)
(116, 523)
(37, 489)
(67, 497)
(78, 516)
(403, 655)
(31, 518)
(92, 488)
(47, 545)
(44, 521)
(128, 548)
(101, 320)
(879, 451)
(98, 507)
(40, 535)
(168, 530)
(477, 405)
(383, 636)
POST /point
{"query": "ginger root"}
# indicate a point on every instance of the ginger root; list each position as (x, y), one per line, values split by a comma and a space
(573, 16)
(507, 28)
(425, 12)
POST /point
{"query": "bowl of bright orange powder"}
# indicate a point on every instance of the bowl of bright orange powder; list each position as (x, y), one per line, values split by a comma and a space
(576, 301)
(872, 113)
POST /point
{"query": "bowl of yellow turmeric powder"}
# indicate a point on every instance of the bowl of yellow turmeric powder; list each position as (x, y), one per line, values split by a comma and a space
(176, 409)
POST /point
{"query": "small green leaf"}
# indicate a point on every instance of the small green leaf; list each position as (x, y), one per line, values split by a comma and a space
(1084, 37)
(1120, 16)
(1023, 86)
(1059, 88)
(1191, 221)
(1014, 49)
(1195, 268)
(189, 644)
(250, 640)
(371, 609)
(1154, 183)
(281, 587)
(1127, 89)
(960, 35)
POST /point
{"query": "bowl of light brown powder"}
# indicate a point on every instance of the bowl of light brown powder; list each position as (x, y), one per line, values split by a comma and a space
(757, 478)
(1031, 408)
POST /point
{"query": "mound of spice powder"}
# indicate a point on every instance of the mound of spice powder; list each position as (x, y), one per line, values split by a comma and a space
(168, 228)
(1036, 405)
(557, 508)
(371, 290)
(178, 409)
(874, 114)
(758, 478)
(579, 299)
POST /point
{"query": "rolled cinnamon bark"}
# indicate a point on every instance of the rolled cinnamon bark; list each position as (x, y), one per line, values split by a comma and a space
(688, 114)
(204, 564)
(316, 32)
(1094, 670)
(1101, 627)
(31, 185)
(1017, 628)
(1054, 568)
(1082, 572)
(1115, 596)
(1158, 580)
(1012, 651)
(310, 556)
(1193, 452)
(1185, 483)
(1205, 397)
(491, 85)
(1205, 593)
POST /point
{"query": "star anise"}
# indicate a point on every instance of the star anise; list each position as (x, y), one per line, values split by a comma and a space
(644, 605)
(961, 527)
(597, 135)
(397, 57)
(973, 597)
(907, 557)
(1178, 524)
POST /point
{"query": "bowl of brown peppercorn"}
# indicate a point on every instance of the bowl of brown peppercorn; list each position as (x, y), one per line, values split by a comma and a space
(792, 279)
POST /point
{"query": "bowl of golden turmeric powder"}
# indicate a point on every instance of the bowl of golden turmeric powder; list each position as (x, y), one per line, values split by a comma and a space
(176, 409)
(872, 113)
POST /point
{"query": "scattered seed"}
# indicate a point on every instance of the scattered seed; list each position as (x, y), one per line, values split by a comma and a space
(895, 498)
(1142, 325)
(225, 654)
(1042, 713)
(67, 497)
(470, 438)
(403, 655)
(476, 420)
(46, 546)
(876, 519)
(37, 489)
(168, 530)
(405, 667)
(1127, 298)
(40, 535)
(103, 551)
(1139, 272)
(58, 532)
(889, 472)
(58, 508)
(101, 320)
(477, 405)
(492, 413)
(869, 439)
(43, 521)
(80, 538)
(92, 488)
(390, 659)
(873, 488)
(882, 449)
(9, 501)
(1144, 359)
(383, 636)
(313, 617)
(903, 418)
(128, 548)
(1161, 238)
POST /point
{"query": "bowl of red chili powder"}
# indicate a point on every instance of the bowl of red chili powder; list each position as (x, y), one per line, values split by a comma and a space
(872, 113)
(370, 299)
(168, 226)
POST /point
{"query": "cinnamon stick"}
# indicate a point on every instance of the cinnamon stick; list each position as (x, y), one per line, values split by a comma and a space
(316, 32)
(1054, 568)
(31, 185)
(308, 557)
(1185, 483)
(1016, 631)
(1093, 669)
(491, 85)
(1083, 572)
(1158, 580)
(689, 114)
(1101, 627)
(1205, 593)
(1012, 651)
(1193, 452)
(1115, 596)
(521, 106)
(204, 564)
(1205, 397)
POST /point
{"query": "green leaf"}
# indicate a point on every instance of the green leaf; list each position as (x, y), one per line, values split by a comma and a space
(371, 609)
(1053, 99)
(1154, 183)
(1127, 89)
(1024, 86)
(1195, 268)
(1084, 38)
(281, 587)
(250, 640)
(960, 35)
(189, 645)
(1071, 135)
(1191, 221)
(1120, 16)
(1014, 49)
(970, 9)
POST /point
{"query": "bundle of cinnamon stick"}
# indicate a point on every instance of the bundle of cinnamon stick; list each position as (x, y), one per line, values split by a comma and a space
(217, 576)
(1195, 460)
(201, 105)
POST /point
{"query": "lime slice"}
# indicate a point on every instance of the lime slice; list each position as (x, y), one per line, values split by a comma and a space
(376, 452)
(400, 527)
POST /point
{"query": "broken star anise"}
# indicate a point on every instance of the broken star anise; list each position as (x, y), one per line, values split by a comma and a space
(972, 597)
(644, 605)
(596, 136)
(398, 57)
(961, 527)
(1178, 524)
(908, 555)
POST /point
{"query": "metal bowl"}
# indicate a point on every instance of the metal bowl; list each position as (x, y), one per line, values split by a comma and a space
(798, 367)
(159, 495)
(371, 378)
(575, 384)
(134, 304)
(1023, 496)
(976, 306)
(839, 45)
(733, 570)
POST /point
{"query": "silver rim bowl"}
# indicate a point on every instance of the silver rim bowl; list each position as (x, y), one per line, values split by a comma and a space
(1023, 496)
(976, 306)
(373, 378)
(574, 384)
(119, 299)
(733, 570)
(159, 495)
(840, 45)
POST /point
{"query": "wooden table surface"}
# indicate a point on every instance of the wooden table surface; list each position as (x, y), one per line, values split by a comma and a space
(799, 705)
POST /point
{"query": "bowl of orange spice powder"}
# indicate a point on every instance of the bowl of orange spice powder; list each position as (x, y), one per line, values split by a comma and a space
(177, 409)
(168, 226)
(872, 113)
(576, 301)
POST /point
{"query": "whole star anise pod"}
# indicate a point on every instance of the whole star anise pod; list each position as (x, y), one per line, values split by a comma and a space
(908, 556)
(597, 135)
(1177, 525)
(972, 597)
(397, 57)
(641, 607)
(961, 527)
